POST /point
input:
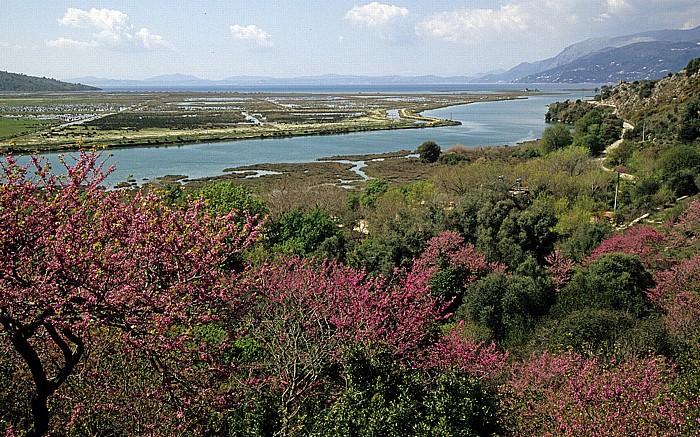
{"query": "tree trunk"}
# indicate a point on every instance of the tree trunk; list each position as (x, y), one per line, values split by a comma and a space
(45, 387)
(40, 410)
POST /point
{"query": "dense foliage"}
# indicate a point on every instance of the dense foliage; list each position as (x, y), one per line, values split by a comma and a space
(495, 298)
(595, 127)
(22, 82)
(429, 151)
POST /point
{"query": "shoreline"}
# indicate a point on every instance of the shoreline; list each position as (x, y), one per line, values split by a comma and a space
(219, 139)
(410, 118)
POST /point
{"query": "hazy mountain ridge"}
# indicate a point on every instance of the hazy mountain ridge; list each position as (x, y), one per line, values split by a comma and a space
(639, 61)
(642, 56)
(180, 80)
(23, 83)
(553, 70)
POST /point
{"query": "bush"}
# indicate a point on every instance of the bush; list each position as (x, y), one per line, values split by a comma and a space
(507, 305)
(383, 398)
(429, 151)
(452, 158)
(224, 197)
(614, 281)
(306, 233)
(555, 137)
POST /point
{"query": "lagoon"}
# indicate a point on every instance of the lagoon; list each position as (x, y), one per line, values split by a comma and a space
(497, 123)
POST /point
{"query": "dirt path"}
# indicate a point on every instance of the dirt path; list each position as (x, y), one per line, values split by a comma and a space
(601, 161)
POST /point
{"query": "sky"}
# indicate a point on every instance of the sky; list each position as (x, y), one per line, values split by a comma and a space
(216, 39)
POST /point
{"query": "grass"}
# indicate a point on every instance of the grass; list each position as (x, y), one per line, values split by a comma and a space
(12, 127)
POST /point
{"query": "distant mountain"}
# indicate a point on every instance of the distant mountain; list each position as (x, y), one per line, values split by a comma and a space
(180, 81)
(21, 82)
(552, 70)
(640, 61)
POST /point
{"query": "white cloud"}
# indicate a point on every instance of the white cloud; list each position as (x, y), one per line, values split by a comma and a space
(99, 18)
(70, 43)
(112, 29)
(375, 14)
(252, 33)
(474, 25)
(151, 41)
(617, 5)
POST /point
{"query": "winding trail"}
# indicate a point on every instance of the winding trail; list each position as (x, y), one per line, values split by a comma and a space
(626, 126)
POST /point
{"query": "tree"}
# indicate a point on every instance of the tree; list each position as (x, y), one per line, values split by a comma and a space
(693, 66)
(612, 281)
(596, 129)
(678, 293)
(372, 191)
(452, 265)
(77, 260)
(507, 305)
(605, 308)
(571, 395)
(555, 137)
(690, 123)
(429, 151)
(678, 167)
(643, 241)
(224, 197)
(306, 233)
(383, 398)
(305, 319)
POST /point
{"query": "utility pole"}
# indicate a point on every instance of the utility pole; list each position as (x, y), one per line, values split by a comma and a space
(617, 189)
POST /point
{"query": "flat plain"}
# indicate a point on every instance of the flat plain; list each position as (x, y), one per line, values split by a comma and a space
(32, 122)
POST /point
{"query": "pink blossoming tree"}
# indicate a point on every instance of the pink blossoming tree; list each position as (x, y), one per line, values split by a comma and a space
(77, 260)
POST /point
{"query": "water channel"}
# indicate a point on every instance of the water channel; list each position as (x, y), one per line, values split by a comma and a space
(483, 124)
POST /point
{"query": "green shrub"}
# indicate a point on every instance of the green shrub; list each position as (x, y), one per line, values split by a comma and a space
(429, 151)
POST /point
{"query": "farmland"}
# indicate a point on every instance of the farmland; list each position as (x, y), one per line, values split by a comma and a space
(60, 121)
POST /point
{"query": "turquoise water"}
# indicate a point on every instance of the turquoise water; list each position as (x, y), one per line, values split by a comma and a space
(483, 124)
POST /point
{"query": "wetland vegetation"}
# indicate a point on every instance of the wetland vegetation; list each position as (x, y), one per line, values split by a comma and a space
(59, 121)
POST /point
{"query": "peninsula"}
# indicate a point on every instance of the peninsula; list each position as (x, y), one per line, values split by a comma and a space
(53, 122)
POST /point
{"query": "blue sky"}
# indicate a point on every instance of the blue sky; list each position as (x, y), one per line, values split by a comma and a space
(214, 39)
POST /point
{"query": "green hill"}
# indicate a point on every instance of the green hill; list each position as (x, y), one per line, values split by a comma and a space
(21, 82)
(664, 111)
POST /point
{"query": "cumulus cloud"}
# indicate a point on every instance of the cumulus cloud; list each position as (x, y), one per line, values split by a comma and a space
(375, 14)
(252, 33)
(112, 29)
(528, 22)
(100, 18)
(474, 25)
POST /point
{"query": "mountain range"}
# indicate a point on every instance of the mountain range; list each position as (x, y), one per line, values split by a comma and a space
(608, 60)
(187, 81)
(641, 56)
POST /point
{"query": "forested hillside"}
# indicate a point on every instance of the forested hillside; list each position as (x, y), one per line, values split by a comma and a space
(641, 56)
(542, 290)
(662, 148)
(21, 82)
